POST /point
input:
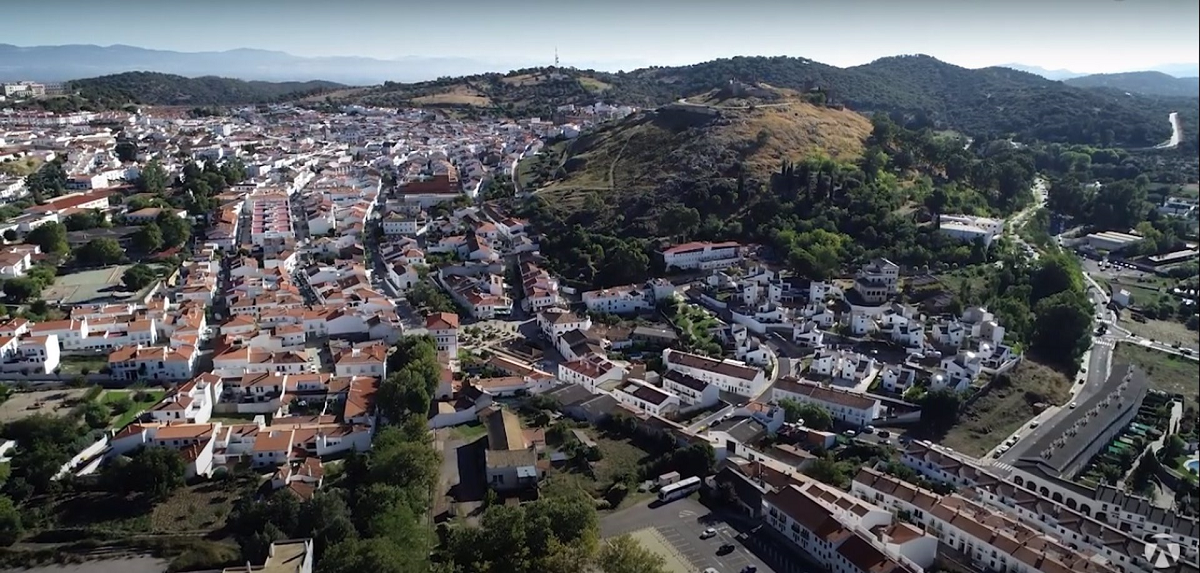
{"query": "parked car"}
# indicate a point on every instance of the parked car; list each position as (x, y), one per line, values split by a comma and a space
(726, 549)
(869, 430)
(708, 533)
(885, 434)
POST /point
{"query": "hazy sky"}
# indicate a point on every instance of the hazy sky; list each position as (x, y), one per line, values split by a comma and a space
(1080, 35)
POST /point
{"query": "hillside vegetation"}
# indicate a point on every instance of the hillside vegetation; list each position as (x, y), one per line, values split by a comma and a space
(637, 157)
(919, 91)
(1149, 83)
(821, 187)
(165, 89)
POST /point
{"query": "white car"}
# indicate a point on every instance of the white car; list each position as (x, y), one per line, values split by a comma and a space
(1074, 404)
(708, 533)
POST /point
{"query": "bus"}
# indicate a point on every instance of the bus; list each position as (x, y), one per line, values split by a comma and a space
(682, 488)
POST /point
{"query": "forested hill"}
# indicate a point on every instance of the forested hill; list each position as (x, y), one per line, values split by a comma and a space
(167, 89)
(919, 90)
(1148, 83)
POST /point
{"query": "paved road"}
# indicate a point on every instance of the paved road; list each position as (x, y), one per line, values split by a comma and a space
(682, 521)
(1176, 133)
(1098, 365)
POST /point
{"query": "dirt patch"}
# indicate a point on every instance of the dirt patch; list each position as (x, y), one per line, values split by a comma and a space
(1005, 406)
(24, 404)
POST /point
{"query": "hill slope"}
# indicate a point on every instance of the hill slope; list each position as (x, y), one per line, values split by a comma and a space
(1149, 83)
(989, 101)
(650, 153)
(165, 89)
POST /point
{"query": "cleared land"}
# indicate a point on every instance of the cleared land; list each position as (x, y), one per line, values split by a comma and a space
(100, 285)
(593, 85)
(1004, 406)
(24, 404)
(455, 96)
(76, 364)
(1167, 331)
(1167, 372)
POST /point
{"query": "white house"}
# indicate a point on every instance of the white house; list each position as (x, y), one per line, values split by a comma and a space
(363, 360)
(443, 327)
(640, 395)
(590, 372)
(693, 393)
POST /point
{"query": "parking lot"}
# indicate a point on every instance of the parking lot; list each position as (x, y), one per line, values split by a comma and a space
(681, 524)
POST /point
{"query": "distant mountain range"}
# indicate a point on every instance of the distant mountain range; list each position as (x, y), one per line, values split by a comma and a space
(1150, 83)
(1173, 70)
(61, 63)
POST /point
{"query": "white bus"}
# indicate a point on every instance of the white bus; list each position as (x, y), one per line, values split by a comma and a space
(682, 488)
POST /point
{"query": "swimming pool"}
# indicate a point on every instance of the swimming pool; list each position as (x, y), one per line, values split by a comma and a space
(1193, 465)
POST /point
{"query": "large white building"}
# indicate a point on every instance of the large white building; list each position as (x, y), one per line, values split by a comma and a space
(849, 407)
(726, 375)
(699, 255)
(993, 540)
(970, 228)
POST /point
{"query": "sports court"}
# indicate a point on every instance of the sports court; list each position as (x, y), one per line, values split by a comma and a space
(98, 285)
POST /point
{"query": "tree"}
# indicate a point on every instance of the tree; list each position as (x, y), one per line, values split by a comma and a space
(939, 409)
(95, 415)
(378, 555)
(149, 238)
(151, 471)
(10, 522)
(100, 252)
(126, 151)
(814, 416)
(51, 238)
(1172, 449)
(84, 220)
(826, 470)
(1062, 328)
(10, 235)
(153, 178)
(138, 277)
(21, 289)
(175, 229)
(625, 555)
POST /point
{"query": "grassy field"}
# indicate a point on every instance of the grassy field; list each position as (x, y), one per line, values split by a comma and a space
(593, 85)
(21, 167)
(457, 95)
(1004, 407)
(150, 398)
(77, 364)
(1167, 372)
(468, 432)
(1168, 331)
(194, 509)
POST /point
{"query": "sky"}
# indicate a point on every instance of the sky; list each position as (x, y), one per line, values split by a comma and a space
(1080, 35)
